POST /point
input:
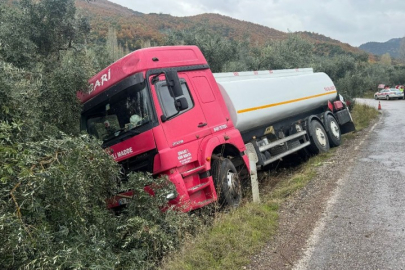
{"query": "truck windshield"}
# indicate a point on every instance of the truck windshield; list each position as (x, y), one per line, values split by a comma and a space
(120, 114)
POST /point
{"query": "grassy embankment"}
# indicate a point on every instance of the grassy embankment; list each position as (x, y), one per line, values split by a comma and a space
(363, 115)
(369, 94)
(237, 235)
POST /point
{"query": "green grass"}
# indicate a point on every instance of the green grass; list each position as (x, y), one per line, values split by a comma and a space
(237, 235)
(369, 94)
(241, 233)
(363, 115)
(228, 243)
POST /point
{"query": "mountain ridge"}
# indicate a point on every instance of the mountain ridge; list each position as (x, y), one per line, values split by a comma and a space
(391, 46)
(134, 27)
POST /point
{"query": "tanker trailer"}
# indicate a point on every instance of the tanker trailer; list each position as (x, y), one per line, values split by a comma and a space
(284, 111)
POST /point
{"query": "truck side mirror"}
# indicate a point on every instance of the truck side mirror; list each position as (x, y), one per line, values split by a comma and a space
(181, 104)
(173, 83)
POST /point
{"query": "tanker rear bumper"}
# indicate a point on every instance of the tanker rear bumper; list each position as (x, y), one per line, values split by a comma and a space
(345, 121)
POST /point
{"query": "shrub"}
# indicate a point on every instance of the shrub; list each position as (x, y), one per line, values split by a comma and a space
(53, 212)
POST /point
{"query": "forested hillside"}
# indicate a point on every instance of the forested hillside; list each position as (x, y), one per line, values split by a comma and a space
(54, 179)
(134, 28)
(392, 46)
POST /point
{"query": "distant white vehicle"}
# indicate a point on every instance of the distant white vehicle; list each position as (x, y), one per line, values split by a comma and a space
(389, 94)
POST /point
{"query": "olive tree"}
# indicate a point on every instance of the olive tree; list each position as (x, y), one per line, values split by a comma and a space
(16, 47)
(217, 50)
(386, 59)
(293, 52)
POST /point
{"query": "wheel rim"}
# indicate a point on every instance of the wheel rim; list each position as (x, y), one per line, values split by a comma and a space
(232, 184)
(320, 136)
(335, 129)
(387, 97)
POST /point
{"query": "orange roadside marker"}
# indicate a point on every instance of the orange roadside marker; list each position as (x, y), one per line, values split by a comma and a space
(379, 105)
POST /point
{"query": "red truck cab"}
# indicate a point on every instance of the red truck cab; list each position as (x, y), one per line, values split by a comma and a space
(159, 110)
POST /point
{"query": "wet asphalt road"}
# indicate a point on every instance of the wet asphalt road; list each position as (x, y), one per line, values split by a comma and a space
(363, 226)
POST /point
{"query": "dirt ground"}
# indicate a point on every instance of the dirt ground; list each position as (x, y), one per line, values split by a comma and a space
(299, 214)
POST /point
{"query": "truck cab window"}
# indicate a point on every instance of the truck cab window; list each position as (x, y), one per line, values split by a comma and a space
(173, 106)
(122, 112)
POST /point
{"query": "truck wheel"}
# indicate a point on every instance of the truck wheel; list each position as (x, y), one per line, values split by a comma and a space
(334, 135)
(387, 97)
(318, 137)
(227, 182)
(375, 97)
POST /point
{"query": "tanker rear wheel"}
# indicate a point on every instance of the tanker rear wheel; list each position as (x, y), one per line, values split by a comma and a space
(227, 182)
(334, 135)
(318, 137)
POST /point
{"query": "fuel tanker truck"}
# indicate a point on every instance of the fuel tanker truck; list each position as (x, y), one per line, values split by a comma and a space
(161, 110)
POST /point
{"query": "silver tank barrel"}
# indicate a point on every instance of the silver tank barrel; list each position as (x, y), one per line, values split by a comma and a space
(256, 98)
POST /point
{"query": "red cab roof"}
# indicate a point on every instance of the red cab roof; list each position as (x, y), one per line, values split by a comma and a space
(141, 61)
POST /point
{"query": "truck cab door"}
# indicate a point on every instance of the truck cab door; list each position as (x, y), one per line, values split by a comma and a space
(180, 114)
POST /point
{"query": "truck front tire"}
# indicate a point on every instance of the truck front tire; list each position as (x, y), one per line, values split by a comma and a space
(227, 182)
(318, 137)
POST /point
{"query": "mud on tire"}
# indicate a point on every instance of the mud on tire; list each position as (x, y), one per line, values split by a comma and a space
(227, 182)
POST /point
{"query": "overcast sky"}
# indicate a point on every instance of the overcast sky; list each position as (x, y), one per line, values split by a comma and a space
(350, 21)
